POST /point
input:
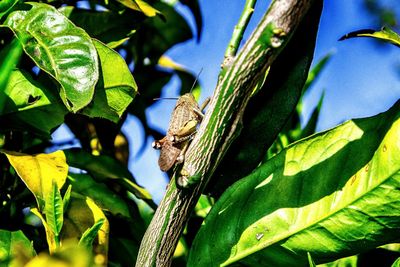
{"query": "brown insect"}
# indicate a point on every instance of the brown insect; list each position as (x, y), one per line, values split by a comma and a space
(182, 127)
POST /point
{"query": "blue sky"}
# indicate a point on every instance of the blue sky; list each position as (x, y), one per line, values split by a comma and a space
(360, 80)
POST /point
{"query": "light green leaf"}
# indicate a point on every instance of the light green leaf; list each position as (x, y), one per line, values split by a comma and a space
(396, 263)
(385, 34)
(27, 105)
(54, 211)
(67, 198)
(90, 234)
(333, 194)
(116, 88)
(101, 195)
(39, 171)
(12, 245)
(61, 49)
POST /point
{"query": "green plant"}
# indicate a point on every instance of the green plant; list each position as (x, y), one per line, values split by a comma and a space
(277, 194)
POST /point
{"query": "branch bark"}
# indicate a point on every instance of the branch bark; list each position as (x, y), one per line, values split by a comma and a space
(220, 126)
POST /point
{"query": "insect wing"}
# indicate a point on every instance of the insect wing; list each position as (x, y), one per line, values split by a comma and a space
(168, 156)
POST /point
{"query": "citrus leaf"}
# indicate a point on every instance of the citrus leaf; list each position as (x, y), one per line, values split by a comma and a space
(194, 7)
(90, 234)
(385, 34)
(27, 106)
(39, 171)
(6, 6)
(12, 245)
(61, 49)
(50, 237)
(116, 88)
(81, 215)
(396, 263)
(104, 167)
(67, 197)
(101, 195)
(54, 210)
(338, 189)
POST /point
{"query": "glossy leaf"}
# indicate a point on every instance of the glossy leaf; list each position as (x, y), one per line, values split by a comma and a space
(39, 172)
(116, 88)
(338, 189)
(54, 210)
(27, 105)
(396, 263)
(15, 248)
(101, 195)
(10, 57)
(61, 49)
(385, 34)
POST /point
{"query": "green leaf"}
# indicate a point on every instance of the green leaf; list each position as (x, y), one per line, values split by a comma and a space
(27, 105)
(385, 34)
(90, 234)
(350, 261)
(269, 109)
(156, 36)
(310, 260)
(52, 241)
(61, 49)
(6, 6)
(109, 27)
(101, 195)
(194, 7)
(333, 194)
(54, 211)
(104, 167)
(12, 245)
(39, 171)
(396, 263)
(116, 88)
(67, 198)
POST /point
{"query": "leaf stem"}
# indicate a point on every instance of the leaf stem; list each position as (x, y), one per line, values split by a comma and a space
(238, 32)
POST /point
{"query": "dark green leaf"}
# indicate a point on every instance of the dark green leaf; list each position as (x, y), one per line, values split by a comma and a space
(156, 36)
(385, 34)
(28, 105)
(116, 88)
(104, 167)
(269, 110)
(333, 194)
(90, 234)
(101, 195)
(109, 27)
(61, 49)
(193, 5)
(6, 6)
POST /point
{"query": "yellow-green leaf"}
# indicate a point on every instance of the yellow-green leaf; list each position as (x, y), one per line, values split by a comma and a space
(54, 210)
(39, 171)
(50, 237)
(385, 34)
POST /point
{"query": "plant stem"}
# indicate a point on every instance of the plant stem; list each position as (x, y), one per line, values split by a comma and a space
(220, 126)
(238, 31)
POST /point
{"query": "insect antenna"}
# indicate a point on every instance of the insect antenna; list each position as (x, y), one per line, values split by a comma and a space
(195, 80)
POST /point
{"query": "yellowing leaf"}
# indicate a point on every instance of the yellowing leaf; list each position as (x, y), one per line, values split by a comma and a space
(81, 215)
(39, 171)
(140, 6)
(50, 237)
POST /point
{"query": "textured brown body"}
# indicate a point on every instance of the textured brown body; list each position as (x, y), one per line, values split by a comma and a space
(182, 127)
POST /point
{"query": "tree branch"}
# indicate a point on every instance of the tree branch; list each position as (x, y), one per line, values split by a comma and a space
(219, 128)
